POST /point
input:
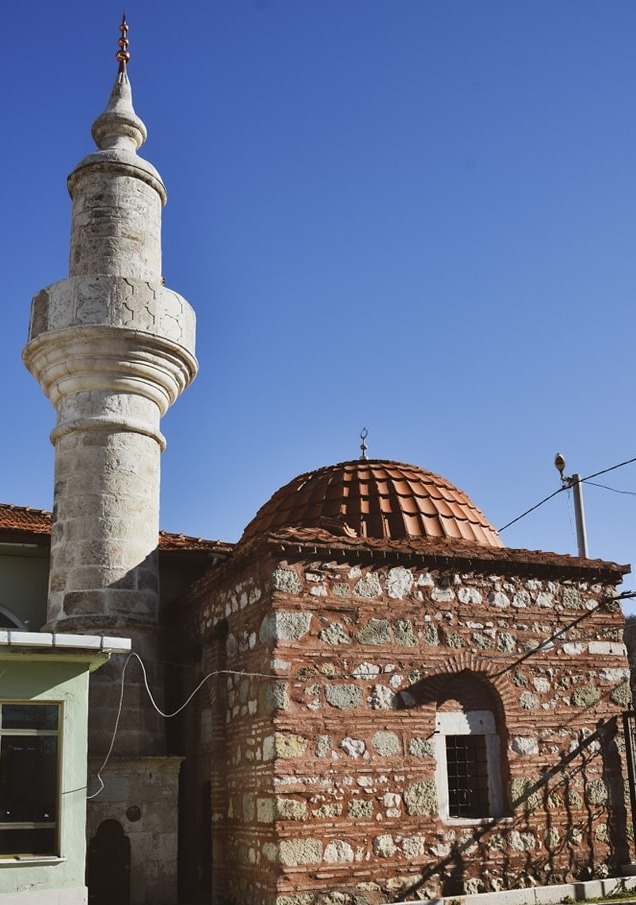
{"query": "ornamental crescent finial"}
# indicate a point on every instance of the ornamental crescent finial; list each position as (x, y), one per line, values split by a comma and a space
(364, 433)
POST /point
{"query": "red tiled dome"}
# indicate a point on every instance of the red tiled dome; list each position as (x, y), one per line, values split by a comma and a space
(378, 499)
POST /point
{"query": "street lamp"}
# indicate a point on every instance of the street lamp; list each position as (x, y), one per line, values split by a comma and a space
(576, 485)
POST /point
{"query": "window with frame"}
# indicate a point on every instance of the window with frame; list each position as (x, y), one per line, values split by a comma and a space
(29, 779)
(468, 765)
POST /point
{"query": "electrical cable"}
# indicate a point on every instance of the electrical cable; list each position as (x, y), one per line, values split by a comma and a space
(167, 716)
(565, 487)
(358, 674)
(613, 489)
(531, 509)
(112, 741)
(611, 468)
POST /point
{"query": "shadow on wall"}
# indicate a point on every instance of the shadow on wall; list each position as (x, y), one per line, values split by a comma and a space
(586, 783)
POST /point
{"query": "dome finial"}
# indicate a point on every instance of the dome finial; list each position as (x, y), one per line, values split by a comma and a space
(122, 55)
(364, 433)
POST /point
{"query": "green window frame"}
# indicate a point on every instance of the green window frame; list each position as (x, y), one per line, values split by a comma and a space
(30, 758)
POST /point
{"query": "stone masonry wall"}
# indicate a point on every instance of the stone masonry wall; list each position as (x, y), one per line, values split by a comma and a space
(236, 739)
(332, 794)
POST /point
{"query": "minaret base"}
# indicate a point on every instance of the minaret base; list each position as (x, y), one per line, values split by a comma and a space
(132, 829)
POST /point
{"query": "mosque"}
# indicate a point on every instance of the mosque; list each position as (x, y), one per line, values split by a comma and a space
(393, 705)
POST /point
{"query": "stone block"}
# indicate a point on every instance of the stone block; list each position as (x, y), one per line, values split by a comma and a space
(399, 582)
(293, 852)
(368, 586)
(360, 809)
(622, 696)
(289, 745)
(291, 809)
(382, 698)
(354, 747)
(386, 743)
(338, 852)
(586, 696)
(403, 633)
(334, 634)
(384, 846)
(323, 746)
(596, 793)
(525, 744)
(287, 581)
(284, 626)
(420, 798)
(421, 747)
(376, 632)
(344, 697)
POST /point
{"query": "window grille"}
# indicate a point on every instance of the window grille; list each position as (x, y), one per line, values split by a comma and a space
(467, 774)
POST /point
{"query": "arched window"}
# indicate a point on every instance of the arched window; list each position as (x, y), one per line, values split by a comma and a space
(468, 750)
(9, 620)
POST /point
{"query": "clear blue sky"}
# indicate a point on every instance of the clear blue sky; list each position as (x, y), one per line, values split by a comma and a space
(416, 216)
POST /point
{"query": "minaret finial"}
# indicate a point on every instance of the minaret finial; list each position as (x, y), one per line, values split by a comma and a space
(119, 126)
(122, 55)
(364, 433)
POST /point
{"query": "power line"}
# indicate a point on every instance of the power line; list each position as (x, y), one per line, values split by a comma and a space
(167, 716)
(532, 508)
(543, 646)
(613, 489)
(561, 489)
(611, 468)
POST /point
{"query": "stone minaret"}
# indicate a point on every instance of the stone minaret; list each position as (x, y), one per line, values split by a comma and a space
(112, 348)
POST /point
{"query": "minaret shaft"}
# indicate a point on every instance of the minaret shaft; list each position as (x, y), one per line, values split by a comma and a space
(112, 348)
(116, 227)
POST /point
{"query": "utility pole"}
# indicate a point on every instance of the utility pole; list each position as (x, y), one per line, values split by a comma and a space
(575, 484)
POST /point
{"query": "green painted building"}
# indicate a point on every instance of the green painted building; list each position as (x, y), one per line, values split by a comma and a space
(43, 763)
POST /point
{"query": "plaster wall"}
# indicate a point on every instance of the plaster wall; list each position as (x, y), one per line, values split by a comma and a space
(24, 578)
(58, 880)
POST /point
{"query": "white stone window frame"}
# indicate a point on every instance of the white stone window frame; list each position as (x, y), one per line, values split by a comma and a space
(471, 722)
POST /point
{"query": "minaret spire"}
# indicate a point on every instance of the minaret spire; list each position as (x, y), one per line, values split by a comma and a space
(119, 126)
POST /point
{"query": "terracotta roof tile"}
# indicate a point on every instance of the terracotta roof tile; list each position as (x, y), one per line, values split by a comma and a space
(375, 499)
(23, 521)
(308, 541)
(169, 542)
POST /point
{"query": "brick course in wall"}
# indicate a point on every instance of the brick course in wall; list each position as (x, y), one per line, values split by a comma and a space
(342, 657)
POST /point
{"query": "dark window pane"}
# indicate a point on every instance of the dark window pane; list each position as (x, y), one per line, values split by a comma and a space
(467, 768)
(29, 716)
(28, 842)
(28, 779)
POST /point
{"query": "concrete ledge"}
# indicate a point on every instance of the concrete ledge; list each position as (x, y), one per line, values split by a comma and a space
(542, 895)
(50, 640)
(76, 896)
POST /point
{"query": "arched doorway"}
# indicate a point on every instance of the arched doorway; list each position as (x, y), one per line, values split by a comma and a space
(108, 868)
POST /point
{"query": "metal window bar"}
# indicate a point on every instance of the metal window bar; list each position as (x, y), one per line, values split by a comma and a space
(467, 772)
